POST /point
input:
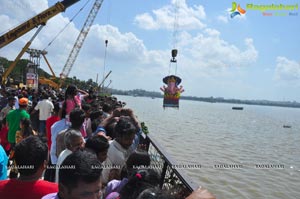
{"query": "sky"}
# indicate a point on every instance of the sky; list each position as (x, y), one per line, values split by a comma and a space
(249, 56)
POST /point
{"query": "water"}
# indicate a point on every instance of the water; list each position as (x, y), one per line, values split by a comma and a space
(212, 134)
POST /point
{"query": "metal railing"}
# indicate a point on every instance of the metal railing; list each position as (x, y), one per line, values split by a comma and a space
(172, 179)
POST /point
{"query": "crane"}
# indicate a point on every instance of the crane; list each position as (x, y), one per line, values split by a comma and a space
(79, 41)
(39, 19)
(102, 83)
(47, 62)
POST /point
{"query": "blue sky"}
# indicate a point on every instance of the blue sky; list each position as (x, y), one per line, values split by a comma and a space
(248, 57)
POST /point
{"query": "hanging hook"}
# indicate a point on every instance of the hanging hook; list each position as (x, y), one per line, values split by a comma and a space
(174, 54)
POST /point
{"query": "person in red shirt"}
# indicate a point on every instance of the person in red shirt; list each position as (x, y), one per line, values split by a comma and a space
(50, 121)
(50, 172)
(31, 156)
(3, 136)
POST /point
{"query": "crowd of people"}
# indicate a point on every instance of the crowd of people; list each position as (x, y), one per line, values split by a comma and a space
(73, 144)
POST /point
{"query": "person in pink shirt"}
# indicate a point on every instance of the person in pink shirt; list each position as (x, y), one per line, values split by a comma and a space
(72, 98)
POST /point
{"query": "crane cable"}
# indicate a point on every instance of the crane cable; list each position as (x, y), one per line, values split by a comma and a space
(63, 29)
(174, 36)
(106, 42)
(104, 60)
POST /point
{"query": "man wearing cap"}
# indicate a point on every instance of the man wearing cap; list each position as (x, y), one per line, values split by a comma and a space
(13, 119)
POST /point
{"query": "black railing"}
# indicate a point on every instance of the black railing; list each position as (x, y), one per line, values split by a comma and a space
(172, 179)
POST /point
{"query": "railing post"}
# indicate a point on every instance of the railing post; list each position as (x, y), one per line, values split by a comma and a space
(147, 142)
(170, 178)
(163, 174)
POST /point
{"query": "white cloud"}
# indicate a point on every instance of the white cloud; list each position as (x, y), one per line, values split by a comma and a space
(208, 50)
(222, 18)
(212, 32)
(125, 53)
(22, 10)
(163, 18)
(9, 23)
(147, 20)
(204, 57)
(287, 70)
(14, 12)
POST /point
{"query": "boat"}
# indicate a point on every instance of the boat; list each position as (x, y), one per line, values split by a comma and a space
(287, 126)
(237, 108)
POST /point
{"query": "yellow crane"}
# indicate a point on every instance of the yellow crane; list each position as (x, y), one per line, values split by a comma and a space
(44, 80)
(37, 21)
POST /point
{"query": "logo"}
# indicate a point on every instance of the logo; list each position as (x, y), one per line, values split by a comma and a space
(236, 10)
(277, 10)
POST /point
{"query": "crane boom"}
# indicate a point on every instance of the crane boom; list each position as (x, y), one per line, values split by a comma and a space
(47, 62)
(80, 39)
(102, 83)
(35, 21)
(14, 63)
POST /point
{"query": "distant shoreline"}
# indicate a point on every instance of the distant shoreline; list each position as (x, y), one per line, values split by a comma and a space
(246, 102)
(152, 94)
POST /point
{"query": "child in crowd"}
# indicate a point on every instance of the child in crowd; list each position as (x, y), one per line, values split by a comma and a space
(72, 99)
(135, 161)
(155, 193)
(137, 183)
(86, 129)
(26, 130)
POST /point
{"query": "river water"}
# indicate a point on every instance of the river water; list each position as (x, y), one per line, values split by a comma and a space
(242, 153)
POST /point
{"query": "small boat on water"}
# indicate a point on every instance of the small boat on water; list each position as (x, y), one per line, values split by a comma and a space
(287, 126)
(237, 108)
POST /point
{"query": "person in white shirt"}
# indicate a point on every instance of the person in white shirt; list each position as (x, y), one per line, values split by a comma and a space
(119, 149)
(45, 108)
(73, 141)
(56, 128)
